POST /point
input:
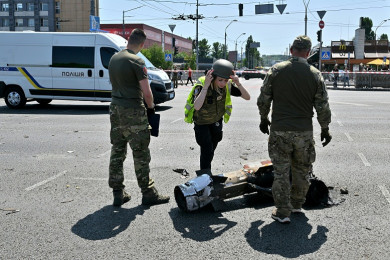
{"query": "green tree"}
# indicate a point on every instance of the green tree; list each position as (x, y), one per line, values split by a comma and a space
(157, 56)
(384, 37)
(252, 55)
(366, 24)
(217, 51)
(204, 48)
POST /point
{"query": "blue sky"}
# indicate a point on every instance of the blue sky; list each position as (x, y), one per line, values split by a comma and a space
(274, 31)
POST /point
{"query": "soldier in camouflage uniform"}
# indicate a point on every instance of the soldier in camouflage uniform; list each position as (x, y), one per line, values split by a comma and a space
(129, 122)
(294, 87)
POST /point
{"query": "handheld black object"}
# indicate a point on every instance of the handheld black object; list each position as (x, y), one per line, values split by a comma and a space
(154, 122)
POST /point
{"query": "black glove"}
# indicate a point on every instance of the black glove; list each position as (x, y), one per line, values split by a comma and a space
(264, 123)
(325, 136)
(150, 111)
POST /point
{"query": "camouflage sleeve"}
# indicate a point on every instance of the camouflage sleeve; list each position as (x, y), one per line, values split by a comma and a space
(265, 98)
(321, 103)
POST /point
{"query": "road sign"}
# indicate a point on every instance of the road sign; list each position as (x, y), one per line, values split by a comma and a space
(321, 24)
(168, 57)
(321, 14)
(325, 55)
(255, 45)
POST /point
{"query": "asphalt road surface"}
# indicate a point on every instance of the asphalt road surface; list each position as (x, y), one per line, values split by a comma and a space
(55, 202)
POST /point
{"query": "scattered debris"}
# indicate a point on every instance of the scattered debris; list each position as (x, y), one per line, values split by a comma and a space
(191, 148)
(11, 211)
(26, 136)
(243, 157)
(76, 131)
(66, 201)
(368, 228)
(344, 190)
(70, 151)
(183, 172)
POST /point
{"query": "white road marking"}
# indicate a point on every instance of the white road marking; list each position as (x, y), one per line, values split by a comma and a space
(86, 131)
(174, 121)
(363, 158)
(354, 104)
(339, 122)
(348, 137)
(104, 154)
(98, 179)
(45, 181)
(385, 192)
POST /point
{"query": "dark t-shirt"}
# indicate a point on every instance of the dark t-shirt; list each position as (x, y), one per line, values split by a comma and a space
(126, 70)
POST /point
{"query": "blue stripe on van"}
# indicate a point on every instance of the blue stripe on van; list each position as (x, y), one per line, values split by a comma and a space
(8, 69)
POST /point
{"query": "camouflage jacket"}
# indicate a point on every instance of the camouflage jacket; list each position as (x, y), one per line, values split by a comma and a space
(294, 88)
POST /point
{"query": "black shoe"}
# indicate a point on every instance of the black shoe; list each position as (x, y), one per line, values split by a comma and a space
(151, 197)
(120, 197)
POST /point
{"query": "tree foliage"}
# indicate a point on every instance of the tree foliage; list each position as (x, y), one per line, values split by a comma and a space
(384, 37)
(217, 51)
(366, 24)
(157, 56)
(204, 48)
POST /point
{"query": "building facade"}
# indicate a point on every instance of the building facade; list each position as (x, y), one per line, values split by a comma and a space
(47, 15)
(153, 36)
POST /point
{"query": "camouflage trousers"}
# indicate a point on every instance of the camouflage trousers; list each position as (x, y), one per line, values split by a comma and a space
(129, 126)
(291, 151)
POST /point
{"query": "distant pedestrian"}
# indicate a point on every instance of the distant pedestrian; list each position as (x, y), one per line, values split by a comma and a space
(175, 77)
(189, 76)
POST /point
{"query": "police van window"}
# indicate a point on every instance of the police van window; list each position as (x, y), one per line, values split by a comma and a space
(106, 54)
(73, 57)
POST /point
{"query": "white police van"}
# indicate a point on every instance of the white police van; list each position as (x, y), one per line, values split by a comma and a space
(45, 66)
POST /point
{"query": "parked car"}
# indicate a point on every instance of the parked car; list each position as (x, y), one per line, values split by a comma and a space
(253, 73)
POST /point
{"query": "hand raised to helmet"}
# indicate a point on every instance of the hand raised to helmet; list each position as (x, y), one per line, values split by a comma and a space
(209, 78)
(235, 78)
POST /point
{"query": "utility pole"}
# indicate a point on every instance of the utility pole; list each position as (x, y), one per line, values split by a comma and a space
(306, 5)
(196, 41)
(193, 17)
(123, 19)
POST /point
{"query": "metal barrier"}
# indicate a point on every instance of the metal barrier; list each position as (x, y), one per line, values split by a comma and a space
(365, 79)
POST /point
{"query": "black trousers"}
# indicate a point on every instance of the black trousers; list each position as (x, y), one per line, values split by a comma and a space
(189, 79)
(208, 137)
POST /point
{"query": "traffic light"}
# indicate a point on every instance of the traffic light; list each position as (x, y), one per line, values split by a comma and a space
(240, 7)
(176, 51)
(173, 41)
(319, 35)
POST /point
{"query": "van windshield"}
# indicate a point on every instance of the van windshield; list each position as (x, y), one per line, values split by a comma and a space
(148, 64)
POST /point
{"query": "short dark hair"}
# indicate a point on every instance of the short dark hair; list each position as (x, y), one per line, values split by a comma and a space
(137, 37)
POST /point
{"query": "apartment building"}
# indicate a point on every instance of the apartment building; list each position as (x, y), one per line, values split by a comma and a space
(47, 15)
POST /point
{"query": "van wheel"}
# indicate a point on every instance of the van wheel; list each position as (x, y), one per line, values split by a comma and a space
(43, 101)
(14, 97)
(246, 77)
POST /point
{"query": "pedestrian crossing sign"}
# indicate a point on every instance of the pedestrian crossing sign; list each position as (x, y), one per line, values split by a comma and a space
(325, 55)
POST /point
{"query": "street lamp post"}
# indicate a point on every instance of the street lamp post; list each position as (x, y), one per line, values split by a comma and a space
(306, 5)
(380, 26)
(226, 35)
(123, 19)
(235, 65)
(241, 51)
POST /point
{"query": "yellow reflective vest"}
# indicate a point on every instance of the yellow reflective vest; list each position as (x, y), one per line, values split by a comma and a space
(189, 107)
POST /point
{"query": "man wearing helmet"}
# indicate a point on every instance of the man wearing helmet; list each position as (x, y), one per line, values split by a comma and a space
(209, 102)
(294, 88)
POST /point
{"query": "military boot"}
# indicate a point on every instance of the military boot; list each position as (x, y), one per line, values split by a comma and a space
(151, 197)
(120, 197)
